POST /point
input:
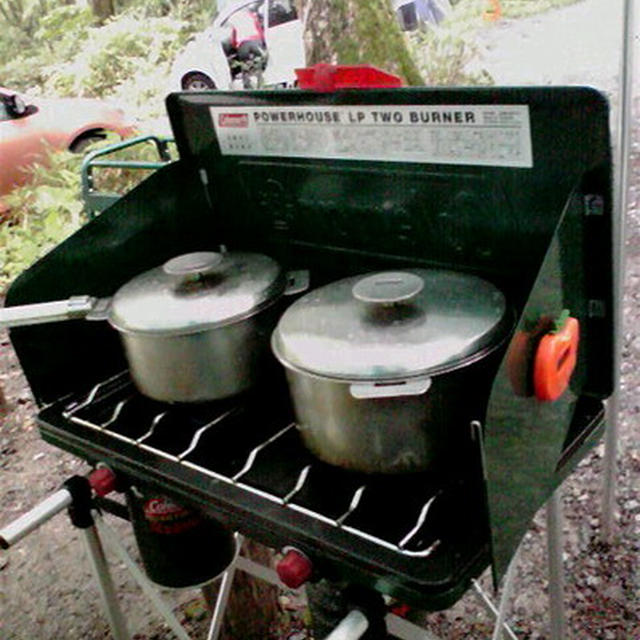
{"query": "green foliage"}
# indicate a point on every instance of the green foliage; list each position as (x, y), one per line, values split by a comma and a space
(63, 53)
(32, 33)
(113, 56)
(65, 27)
(43, 213)
(12, 40)
(25, 15)
(444, 53)
(49, 207)
(138, 77)
(57, 47)
(68, 55)
(197, 13)
(443, 58)
(19, 76)
(127, 60)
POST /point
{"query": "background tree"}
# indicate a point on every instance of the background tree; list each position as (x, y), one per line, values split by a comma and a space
(357, 32)
(24, 15)
(102, 9)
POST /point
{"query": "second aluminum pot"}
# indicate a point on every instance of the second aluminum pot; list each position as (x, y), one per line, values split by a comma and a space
(194, 329)
(385, 371)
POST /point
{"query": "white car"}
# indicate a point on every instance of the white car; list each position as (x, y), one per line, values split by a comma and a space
(204, 65)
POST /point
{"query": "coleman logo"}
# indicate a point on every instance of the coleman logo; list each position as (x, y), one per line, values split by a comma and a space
(162, 507)
(236, 120)
(168, 518)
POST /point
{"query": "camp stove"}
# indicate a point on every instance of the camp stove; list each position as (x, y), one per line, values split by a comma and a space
(513, 185)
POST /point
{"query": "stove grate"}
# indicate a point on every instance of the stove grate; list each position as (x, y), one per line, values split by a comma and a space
(270, 462)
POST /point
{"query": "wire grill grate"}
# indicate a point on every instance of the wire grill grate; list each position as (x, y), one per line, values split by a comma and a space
(267, 460)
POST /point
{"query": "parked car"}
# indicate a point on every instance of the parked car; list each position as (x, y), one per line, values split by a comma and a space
(208, 62)
(30, 127)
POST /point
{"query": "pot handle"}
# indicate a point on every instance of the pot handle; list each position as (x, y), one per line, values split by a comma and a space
(28, 314)
(368, 390)
(297, 282)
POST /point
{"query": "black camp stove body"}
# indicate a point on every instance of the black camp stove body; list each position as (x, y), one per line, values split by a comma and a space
(519, 192)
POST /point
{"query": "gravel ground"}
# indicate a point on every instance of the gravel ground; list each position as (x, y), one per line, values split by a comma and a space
(46, 591)
(566, 47)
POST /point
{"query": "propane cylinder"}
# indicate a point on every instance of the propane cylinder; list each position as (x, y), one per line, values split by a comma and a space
(179, 547)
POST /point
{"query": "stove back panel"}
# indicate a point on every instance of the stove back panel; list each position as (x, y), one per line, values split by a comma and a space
(340, 216)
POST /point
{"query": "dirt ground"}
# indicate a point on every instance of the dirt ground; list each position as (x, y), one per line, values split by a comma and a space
(46, 590)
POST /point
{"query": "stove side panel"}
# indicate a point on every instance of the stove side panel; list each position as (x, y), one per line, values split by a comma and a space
(166, 215)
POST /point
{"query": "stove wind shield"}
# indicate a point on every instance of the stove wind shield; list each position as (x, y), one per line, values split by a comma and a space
(510, 185)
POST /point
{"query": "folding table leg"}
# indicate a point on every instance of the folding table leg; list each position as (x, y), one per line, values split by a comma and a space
(623, 143)
(610, 469)
(500, 612)
(149, 589)
(352, 627)
(101, 573)
(556, 567)
(223, 596)
(221, 603)
(505, 599)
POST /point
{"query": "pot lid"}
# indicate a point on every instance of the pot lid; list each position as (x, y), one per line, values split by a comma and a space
(391, 325)
(197, 291)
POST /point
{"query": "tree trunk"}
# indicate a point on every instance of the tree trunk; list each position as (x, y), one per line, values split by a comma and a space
(253, 603)
(252, 609)
(357, 32)
(102, 9)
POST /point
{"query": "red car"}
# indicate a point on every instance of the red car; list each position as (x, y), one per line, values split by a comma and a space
(29, 127)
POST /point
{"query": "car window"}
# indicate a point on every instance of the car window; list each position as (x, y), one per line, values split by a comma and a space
(281, 11)
(8, 113)
(4, 112)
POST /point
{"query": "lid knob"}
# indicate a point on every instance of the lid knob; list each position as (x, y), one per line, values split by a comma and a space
(192, 264)
(387, 288)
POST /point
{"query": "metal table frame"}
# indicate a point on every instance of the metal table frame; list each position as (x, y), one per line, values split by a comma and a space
(621, 190)
(95, 530)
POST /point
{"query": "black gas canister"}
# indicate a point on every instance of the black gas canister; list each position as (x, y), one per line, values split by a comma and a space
(179, 547)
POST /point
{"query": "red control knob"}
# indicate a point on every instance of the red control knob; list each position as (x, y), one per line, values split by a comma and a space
(102, 481)
(294, 569)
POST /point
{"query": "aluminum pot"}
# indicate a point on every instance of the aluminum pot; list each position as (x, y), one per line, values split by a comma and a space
(193, 329)
(386, 370)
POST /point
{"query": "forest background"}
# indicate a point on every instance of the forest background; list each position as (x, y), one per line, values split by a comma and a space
(122, 51)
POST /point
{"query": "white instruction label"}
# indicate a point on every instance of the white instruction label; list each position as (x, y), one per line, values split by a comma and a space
(491, 135)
